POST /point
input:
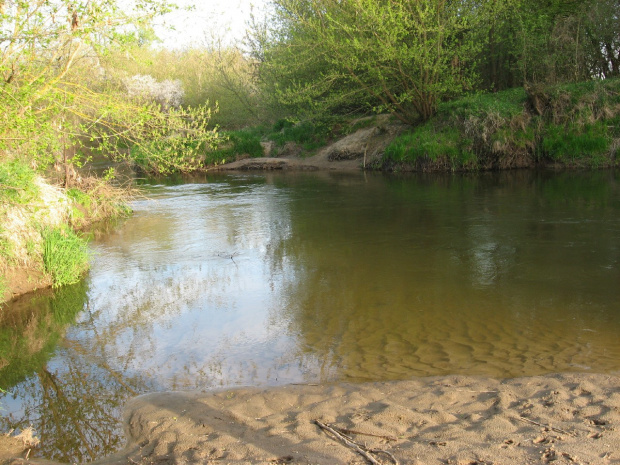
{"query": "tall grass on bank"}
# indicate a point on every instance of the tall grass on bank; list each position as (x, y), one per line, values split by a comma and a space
(575, 125)
(65, 255)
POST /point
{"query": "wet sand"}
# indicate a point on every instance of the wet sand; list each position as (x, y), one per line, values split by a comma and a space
(559, 419)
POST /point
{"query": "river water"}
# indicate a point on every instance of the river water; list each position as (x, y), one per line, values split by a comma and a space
(274, 278)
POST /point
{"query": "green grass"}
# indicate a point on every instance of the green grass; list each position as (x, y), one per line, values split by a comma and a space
(310, 135)
(498, 130)
(6, 250)
(426, 143)
(571, 143)
(506, 104)
(80, 197)
(65, 255)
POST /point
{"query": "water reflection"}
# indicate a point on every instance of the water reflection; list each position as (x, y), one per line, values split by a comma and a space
(277, 278)
(57, 384)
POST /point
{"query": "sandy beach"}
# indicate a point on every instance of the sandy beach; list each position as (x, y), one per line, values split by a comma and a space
(559, 419)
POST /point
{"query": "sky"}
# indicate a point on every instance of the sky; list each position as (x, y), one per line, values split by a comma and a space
(209, 19)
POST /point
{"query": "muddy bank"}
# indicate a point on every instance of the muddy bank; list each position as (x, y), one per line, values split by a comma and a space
(560, 419)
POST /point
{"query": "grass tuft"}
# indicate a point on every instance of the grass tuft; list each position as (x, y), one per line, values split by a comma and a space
(65, 255)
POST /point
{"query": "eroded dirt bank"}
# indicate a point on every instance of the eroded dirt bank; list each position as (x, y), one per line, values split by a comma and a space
(559, 419)
(353, 152)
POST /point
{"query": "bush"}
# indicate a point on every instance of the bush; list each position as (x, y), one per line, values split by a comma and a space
(245, 142)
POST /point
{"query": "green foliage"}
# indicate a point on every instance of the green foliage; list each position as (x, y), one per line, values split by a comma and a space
(319, 57)
(28, 339)
(309, 134)
(58, 95)
(212, 74)
(396, 57)
(65, 255)
(166, 142)
(282, 124)
(82, 203)
(545, 42)
(243, 142)
(17, 182)
(80, 197)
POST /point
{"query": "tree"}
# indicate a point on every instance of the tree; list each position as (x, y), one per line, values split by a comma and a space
(546, 41)
(55, 91)
(602, 26)
(389, 55)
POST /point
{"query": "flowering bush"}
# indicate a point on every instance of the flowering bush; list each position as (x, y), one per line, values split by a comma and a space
(168, 94)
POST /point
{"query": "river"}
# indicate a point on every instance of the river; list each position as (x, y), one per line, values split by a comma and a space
(274, 278)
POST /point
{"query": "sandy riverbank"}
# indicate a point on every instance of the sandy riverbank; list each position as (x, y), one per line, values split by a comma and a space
(559, 419)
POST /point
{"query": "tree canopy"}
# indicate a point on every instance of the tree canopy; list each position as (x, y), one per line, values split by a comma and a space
(405, 56)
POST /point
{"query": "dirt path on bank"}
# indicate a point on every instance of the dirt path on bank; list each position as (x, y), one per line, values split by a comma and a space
(559, 419)
(353, 152)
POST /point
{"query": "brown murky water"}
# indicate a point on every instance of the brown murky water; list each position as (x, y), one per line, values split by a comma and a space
(303, 277)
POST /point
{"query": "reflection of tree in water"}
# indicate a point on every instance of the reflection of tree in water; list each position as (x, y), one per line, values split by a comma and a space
(74, 407)
(77, 407)
(160, 274)
(371, 277)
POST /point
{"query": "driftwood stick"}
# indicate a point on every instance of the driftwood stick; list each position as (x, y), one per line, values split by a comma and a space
(557, 430)
(352, 431)
(347, 442)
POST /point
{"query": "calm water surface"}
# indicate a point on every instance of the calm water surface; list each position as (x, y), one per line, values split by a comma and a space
(276, 278)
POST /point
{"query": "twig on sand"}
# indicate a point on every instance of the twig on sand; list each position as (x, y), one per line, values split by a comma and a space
(352, 431)
(557, 430)
(353, 445)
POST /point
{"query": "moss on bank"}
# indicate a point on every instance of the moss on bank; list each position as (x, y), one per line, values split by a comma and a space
(576, 125)
(40, 240)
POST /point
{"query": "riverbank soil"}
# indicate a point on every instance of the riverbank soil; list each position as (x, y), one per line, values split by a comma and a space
(23, 280)
(559, 419)
(350, 153)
